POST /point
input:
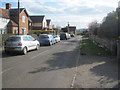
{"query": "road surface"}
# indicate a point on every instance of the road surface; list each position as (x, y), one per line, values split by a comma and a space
(49, 67)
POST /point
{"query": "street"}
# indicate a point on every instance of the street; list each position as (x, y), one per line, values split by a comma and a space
(49, 67)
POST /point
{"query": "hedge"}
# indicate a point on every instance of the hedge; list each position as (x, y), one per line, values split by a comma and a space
(5, 36)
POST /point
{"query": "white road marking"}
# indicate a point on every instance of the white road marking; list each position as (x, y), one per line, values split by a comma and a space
(39, 54)
(6, 70)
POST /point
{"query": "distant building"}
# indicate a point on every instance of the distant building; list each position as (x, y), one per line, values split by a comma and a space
(4, 19)
(69, 29)
(49, 24)
(39, 22)
(72, 29)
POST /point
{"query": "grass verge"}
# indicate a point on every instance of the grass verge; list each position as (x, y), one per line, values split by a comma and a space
(90, 48)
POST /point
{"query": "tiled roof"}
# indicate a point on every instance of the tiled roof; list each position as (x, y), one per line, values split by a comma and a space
(48, 21)
(15, 11)
(37, 19)
(4, 13)
(12, 23)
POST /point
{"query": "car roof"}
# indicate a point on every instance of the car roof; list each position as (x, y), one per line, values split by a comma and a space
(19, 35)
(43, 34)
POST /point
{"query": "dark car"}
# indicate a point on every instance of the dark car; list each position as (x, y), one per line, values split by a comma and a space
(72, 35)
(46, 39)
(64, 36)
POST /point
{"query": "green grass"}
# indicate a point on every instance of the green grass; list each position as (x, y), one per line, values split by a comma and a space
(89, 48)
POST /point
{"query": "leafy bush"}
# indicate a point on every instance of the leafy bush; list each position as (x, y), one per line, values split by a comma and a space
(4, 37)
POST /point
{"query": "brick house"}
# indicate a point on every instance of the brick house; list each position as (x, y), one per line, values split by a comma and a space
(13, 23)
(49, 24)
(72, 29)
(39, 22)
(4, 19)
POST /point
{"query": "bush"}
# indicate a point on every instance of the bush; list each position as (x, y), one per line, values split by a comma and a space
(33, 35)
(4, 37)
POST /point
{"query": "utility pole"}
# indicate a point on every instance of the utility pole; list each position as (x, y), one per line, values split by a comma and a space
(18, 15)
(68, 28)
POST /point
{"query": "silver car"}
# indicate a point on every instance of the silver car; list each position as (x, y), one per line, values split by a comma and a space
(57, 38)
(20, 43)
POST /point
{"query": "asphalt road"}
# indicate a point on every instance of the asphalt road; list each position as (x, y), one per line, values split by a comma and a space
(49, 67)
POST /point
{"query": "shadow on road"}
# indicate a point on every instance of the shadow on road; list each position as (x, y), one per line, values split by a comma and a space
(62, 60)
(13, 54)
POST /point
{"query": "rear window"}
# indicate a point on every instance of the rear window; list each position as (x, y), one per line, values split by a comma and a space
(13, 39)
(43, 36)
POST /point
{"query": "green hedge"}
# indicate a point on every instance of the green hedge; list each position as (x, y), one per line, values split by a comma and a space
(4, 37)
(33, 35)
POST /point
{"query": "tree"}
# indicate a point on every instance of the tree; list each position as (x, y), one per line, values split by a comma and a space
(93, 27)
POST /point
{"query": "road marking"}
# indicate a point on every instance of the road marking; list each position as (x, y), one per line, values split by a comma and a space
(6, 70)
(39, 54)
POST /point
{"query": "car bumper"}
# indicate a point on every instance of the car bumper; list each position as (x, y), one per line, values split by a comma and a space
(13, 48)
(44, 42)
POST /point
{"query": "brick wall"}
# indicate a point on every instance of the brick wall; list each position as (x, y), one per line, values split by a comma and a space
(22, 24)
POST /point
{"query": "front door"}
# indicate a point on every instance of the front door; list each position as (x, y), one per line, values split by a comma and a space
(23, 31)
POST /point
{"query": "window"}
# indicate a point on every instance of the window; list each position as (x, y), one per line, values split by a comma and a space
(31, 38)
(23, 19)
(25, 38)
(15, 31)
(23, 31)
(13, 39)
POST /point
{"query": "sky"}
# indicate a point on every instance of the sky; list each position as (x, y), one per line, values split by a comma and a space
(78, 13)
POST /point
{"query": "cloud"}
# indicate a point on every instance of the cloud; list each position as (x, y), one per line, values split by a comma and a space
(79, 12)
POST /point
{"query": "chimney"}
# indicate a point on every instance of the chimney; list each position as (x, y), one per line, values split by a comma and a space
(8, 5)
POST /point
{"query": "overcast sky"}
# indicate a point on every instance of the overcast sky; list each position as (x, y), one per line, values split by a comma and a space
(78, 12)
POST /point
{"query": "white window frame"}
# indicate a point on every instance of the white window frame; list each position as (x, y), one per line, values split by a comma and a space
(15, 31)
(23, 19)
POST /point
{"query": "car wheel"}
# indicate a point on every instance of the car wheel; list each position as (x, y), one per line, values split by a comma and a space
(37, 47)
(50, 43)
(24, 50)
(7, 52)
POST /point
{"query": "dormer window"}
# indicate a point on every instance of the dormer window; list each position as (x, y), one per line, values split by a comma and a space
(23, 19)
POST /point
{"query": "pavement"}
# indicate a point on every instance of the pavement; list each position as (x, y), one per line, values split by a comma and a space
(97, 72)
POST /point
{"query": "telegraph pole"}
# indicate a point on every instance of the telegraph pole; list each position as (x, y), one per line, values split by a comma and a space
(68, 28)
(18, 15)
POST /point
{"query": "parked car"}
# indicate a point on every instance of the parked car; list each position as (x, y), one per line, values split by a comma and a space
(57, 38)
(46, 39)
(64, 36)
(21, 43)
(69, 36)
(72, 35)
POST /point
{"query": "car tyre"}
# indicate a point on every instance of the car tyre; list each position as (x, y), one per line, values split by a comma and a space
(7, 52)
(24, 51)
(37, 47)
(50, 44)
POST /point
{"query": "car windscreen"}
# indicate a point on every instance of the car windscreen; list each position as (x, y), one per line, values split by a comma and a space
(62, 34)
(13, 39)
(43, 36)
